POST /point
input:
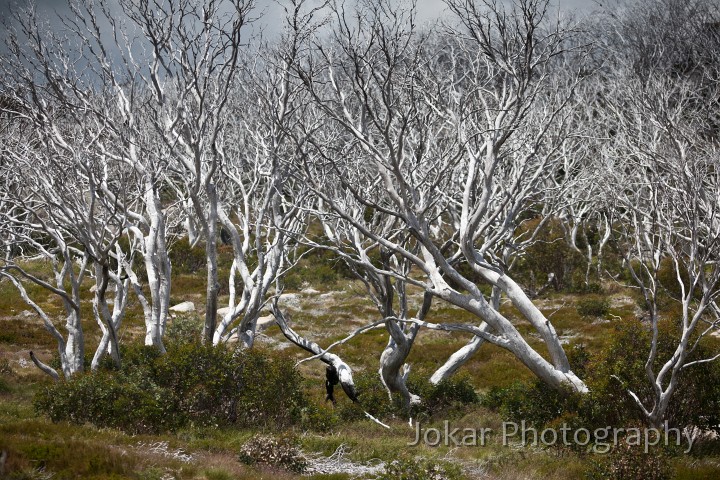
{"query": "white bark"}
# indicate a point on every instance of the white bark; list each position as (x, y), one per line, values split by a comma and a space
(343, 370)
(476, 146)
(665, 151)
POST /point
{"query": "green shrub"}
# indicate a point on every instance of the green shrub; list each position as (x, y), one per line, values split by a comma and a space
(579, 286)
(609, 375)
(630, 462)
(549, 254)
(621, 367)
(454, 391)
(184, 328)
(420, 469)
(312, 274)
(6, 372)
(536, 403)
(319, 418)
(435, 399)
(191, 384)
(593, 306)
(214, 385)
(318, 267)
(280, 453)
(106, 399)
(186, 259)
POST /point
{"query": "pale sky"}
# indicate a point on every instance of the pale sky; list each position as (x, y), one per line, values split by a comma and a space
(270, 12)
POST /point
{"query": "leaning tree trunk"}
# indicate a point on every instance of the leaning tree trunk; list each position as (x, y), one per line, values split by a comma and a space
(341, 369)
(461, 357)
(393, 369)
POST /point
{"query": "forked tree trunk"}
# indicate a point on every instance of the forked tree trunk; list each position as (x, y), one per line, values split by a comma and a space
(464, 354)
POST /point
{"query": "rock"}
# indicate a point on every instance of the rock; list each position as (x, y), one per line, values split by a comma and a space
(223, 311)
(110, 288)
(183, 307)
(25, 314)
(265, 322)
(309, 291)
(290, 300)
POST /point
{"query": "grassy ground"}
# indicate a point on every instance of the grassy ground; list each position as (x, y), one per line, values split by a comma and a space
(39, 449)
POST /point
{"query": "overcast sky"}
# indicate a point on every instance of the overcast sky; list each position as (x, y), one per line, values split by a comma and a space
(270, 13)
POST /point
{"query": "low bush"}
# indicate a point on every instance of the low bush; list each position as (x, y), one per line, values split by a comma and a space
(185, 328)
(550, 253)
(621, 367)
(130, 403)
(593, 306)
(415, 469)
(187, 259)
(435, 399)
(609, 375)
(317, 267)
(536, 403)
(629, 462)
(580, 287)
(278, 453)
(192, 384)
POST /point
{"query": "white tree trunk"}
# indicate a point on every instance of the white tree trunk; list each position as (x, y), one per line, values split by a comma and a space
(157, 266)
(343, 370)
(211, 302)
(461, 357)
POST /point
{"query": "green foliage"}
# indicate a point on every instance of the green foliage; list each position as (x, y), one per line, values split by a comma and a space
(319, 418)
(24, 332)
(578, 285)
(306, 273)
(184, 328)
(318, 267)
(186, 259)
(214, 385)
(668, 278)
(610, 374)
(549, 254)
(630, 462)
(69, 457)
(420, 469)
(131, 403)
(536, 403)
(435, 399)
(279, 453)
(454, 391)
(192, 384)
(593, 306)
(621, 366)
